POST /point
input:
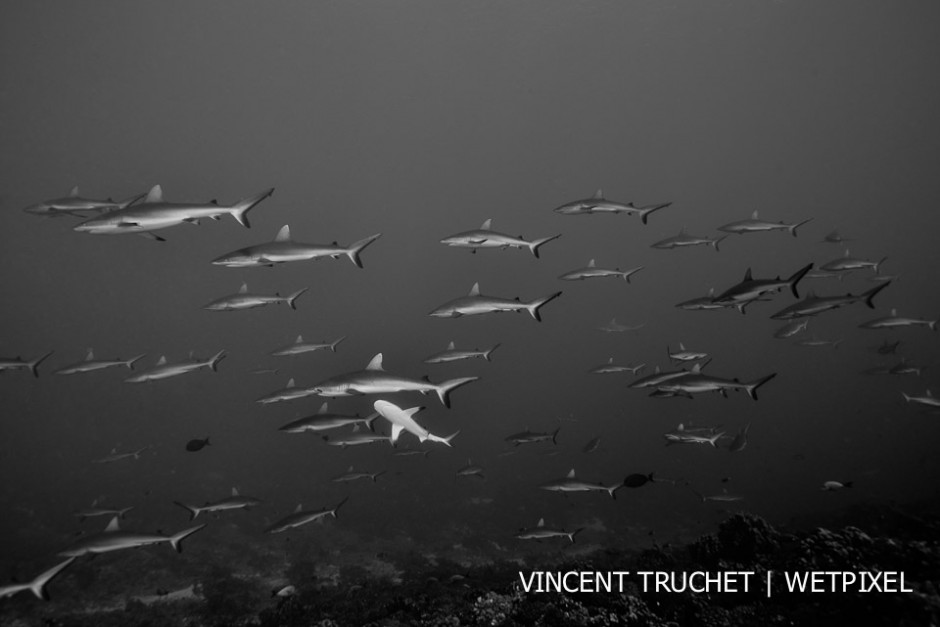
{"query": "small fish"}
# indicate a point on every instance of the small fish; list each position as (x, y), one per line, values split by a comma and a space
(197, 445)
(829, 486)
(637, 480)
(283, 592)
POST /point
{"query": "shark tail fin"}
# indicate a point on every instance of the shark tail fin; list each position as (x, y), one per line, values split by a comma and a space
(797, 277)
(133, 360)
(645, 213)
(906, 397)
(535, 305)
(377, 475)
(34, 365)
(792, 228)
(444, 389)
(213, 362)
(714, 243)
(534, 245)
(38, 585)
(336, 342)
(122, 512)
(338, 505)
(870, 294)
(555, 435)
(751, 388)
(612, 490)
(572, 534)
(127, 202)
(357, 247)
(878, 265)
(627, 274)
(240, 209)
(182, 535)
(489, 351)
(370, 421)
(291, 299)
(445, 440)
(193, 511)
(932, 324)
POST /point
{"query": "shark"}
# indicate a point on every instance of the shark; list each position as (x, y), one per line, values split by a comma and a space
(76, 205)
(164, 370)
(94, 510)
(928, 399)
(324, 420)
(37, 585)
(751, 289)
(356, 438)
(485, 237)
(894, 321)
(91, 364)
(288, 393)
(451, 353)
(572, 484)
(680, 437)
(300, 347)
(16, 363)
(302, 517)
(244, 300)
(541, 532)
(683, 354)
(610, 367)
(375, 380)
(284, 249)
(756, 225)
(658, 377)
(791, 329)
(114, 539)
(739, 443)
(114, 456)
(352, 475)
(597, 204)
(475, 303)
(684, 240)
(615, 327)
(847, 263)
(833, 237)
(817, 343)
(154, 213)
(470, 470)
(813, 305)
(530, 437)
(402, 420)
(696, 383)
(235, 501)
(591, 271)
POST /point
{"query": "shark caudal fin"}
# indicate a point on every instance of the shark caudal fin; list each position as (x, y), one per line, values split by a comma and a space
(878, 265)
(444, 389)
(797, 277)
(870, 294)
(535, 305)
(133, 360)
(793, 227)
(751, 388)
(572, 534)
(357, 247)
(444, 440)
(193, 511)
(34, 365)
(370, 421)
(336, 342)
(127, 202)
(213, 361)
(338, 505)
(38, 585)
(534, 245)
(489, 351)
(291, 300)
(714, 243)
(182, 535)
(240, 209)
(612, 490)
(646, 211)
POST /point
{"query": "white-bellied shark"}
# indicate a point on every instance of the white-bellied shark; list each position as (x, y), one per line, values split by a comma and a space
(683, 354)
(244, 300)
(591, 271)
(615, 327)
(16, 363)
(751, 289)
(847, 263)
(610, 367)
(324, 420)
(684, 240)
(475, 303)
(813, 305)
(164, 370)
(302, 517)
(288, 393)
(37, 585)
(791, 329)
(928, 399)
(484, 237)
(153, 214)
(114, 539)
(300, 347)
(541, 532)
(756, 225)
(75, 205)
(451, 353)
(284, 249)
(894, 321)
(95, 510)
(353, 475)
(597, 204)
(374, 380)
(402, 420)
(235, 501)
(91, 364)
(114, 456)
(572, 484)
(530, 437)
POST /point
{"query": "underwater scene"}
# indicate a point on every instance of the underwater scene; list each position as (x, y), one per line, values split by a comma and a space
(470, 313)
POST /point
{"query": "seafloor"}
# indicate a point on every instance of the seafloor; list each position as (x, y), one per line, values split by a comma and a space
(355, 585)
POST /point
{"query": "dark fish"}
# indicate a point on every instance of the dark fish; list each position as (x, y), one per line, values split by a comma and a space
(636, 480)
(196, 445)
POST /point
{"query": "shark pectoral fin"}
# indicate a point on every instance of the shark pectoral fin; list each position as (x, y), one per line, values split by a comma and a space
(396, 432)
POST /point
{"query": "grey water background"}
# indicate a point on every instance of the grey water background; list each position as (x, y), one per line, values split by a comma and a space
(419, 120)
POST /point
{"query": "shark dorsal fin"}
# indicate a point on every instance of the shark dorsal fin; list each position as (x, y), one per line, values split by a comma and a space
(541, 522)
(598, 195)
(657, 369)
(243, 289)
(350, 469)
(475, 290)
(894, 313)
(411, 411)
(681, 346)
(290, 383)
(396, 431)
(591, 264)
(355, 428)
(283, 235)
(73, 193)
(747, 275)
(154, 195)
(162, 360)
(113, 526)
(451, 346)
(299, 339)
(846, 254)
(487, 224)
(90, 355)
(376, 363)
(298, 508)
(323, 408)
(570, 474)
(754, 215)
(234, 491)
(711, 292)
(610, 360)
(697, 368)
